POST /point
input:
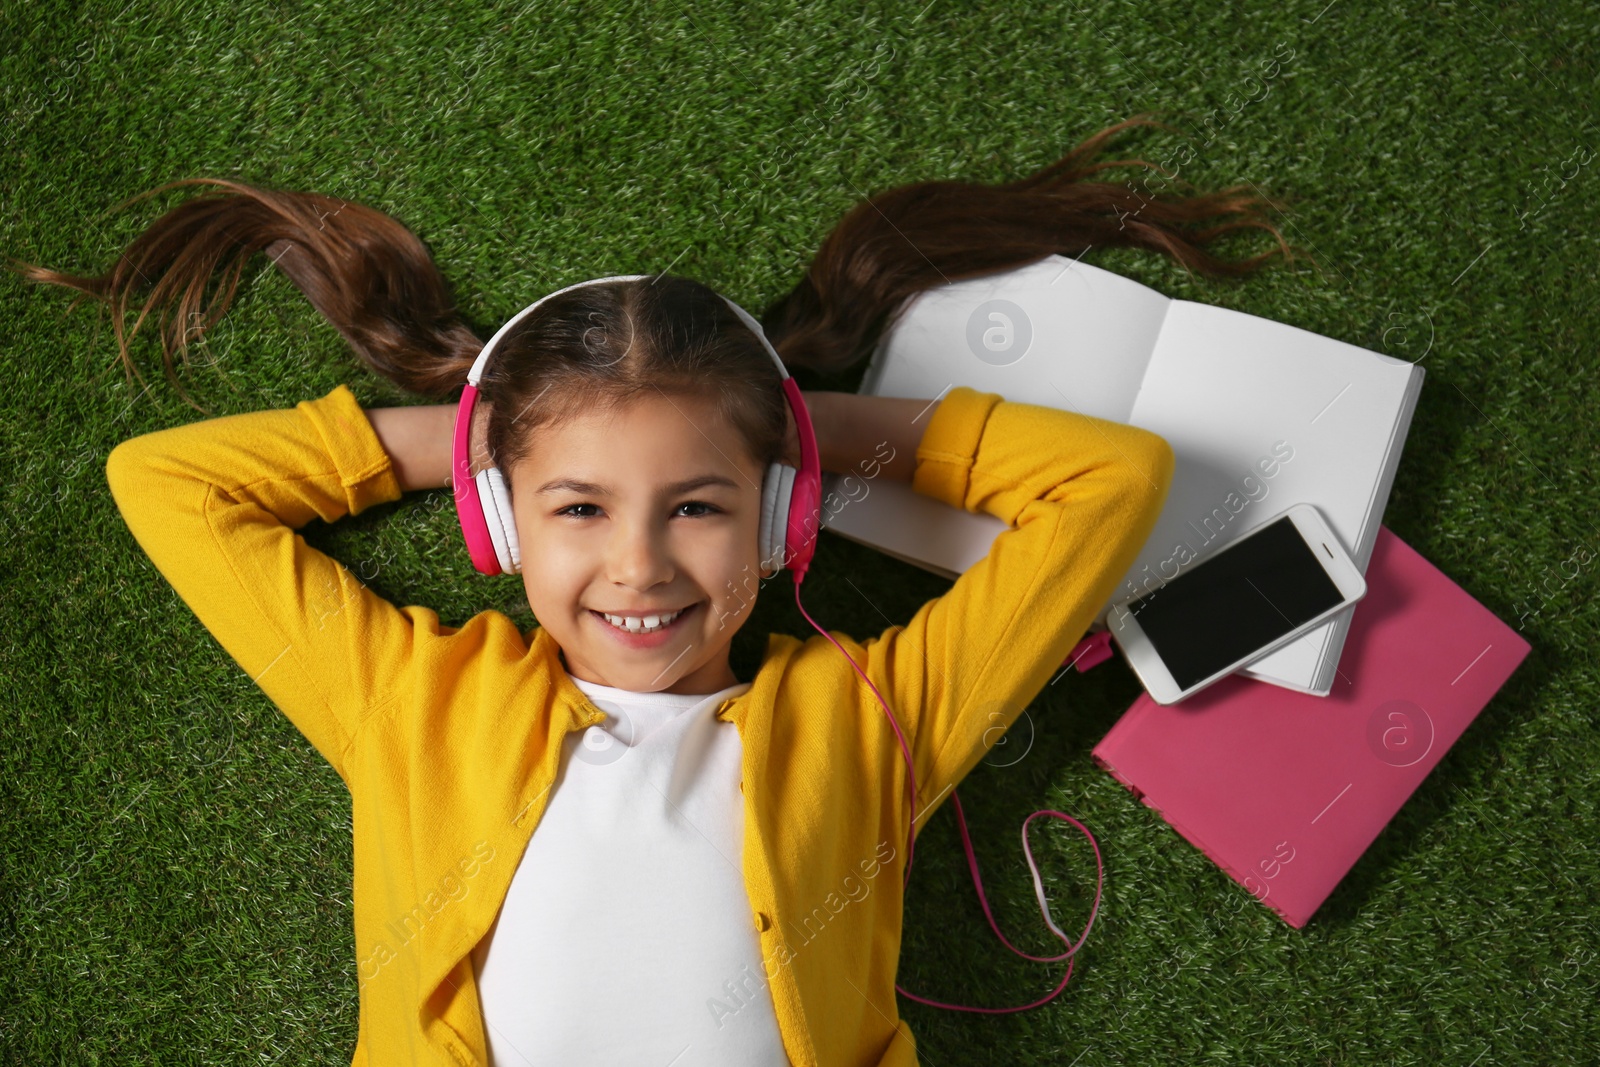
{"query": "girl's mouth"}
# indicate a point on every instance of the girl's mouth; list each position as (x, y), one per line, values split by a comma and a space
(641, 634)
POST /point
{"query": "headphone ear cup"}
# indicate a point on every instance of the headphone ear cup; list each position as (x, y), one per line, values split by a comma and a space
(777, 489)
(497, 514)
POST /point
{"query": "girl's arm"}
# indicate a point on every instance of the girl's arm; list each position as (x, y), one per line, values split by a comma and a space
(418, 440)
(215, 504)
(1082, 495)
(853, 429)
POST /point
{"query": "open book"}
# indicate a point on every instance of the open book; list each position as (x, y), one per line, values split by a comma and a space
(1260, 416)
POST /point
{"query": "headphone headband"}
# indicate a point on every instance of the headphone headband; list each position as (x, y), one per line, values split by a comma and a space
(476, 373)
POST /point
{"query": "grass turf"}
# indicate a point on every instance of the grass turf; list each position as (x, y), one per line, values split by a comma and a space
(175, 859)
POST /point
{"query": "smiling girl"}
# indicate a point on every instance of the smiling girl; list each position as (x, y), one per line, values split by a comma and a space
(591, 842)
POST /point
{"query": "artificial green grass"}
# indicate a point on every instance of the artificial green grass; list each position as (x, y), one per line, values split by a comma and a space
(175, 859)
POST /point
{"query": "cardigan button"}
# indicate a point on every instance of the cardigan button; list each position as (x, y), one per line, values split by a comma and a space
(763, 923)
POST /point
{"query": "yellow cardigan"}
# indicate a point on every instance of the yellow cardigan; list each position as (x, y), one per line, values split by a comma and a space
(448, 737)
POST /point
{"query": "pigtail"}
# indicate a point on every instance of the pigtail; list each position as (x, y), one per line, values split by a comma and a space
(914, 237)
(368, 275)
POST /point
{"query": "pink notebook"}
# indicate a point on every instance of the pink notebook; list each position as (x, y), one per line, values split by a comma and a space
(1285, 791)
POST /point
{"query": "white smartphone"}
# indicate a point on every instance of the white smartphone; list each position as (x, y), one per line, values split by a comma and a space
(1240, 603)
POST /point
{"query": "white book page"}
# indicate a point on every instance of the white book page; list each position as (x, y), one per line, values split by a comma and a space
(1262, 416)
(1056, 333)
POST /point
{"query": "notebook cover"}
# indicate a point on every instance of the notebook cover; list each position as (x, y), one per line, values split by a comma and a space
(1285, 791)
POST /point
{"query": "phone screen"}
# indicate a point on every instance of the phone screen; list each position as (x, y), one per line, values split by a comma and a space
(1235, 603)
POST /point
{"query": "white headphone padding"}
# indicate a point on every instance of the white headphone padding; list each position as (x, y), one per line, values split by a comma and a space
(776, 490)
(498, 517)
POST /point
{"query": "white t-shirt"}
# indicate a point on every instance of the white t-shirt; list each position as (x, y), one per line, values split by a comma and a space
(627, 935)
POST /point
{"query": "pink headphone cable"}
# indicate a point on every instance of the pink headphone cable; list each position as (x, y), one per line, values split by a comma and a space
(972, 859)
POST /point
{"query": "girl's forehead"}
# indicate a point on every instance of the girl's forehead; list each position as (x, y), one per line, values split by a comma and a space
(652, 417)
(656, 439)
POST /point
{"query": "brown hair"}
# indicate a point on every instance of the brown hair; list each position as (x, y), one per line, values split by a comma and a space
(603, 345)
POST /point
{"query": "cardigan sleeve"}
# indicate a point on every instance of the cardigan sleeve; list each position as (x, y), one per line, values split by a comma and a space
(1081, 495)
(215, 505)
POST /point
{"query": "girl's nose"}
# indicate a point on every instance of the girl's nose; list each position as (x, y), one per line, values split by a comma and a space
(637, 556)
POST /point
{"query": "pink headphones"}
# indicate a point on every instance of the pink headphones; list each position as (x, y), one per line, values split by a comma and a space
(484, 508)
(791, 500)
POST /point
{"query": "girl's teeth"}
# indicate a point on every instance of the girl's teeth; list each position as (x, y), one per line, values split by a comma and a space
(645, 625)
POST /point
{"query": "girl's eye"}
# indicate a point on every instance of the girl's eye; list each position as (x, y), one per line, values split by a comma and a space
(710, 509)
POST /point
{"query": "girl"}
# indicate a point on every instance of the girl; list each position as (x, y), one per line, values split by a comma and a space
(592, 842)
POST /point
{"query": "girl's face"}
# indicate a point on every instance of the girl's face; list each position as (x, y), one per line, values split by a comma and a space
(652, 509)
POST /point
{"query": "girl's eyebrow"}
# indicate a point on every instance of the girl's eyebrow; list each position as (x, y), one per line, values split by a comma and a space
(572, 485)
